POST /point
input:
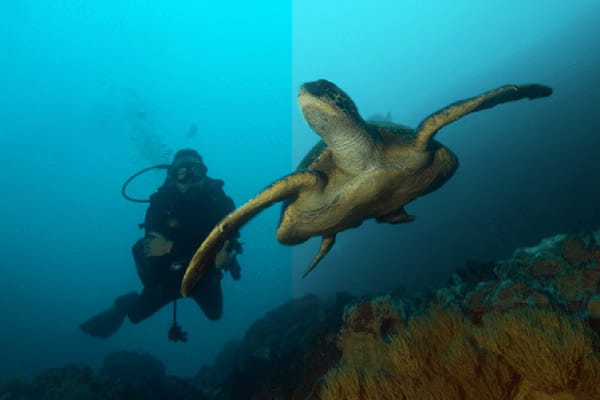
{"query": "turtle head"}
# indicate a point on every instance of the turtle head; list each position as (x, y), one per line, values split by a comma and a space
(322, 103)
(331, 113)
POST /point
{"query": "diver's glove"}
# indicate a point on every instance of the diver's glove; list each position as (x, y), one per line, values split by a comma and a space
(224, 256)
(156, 245)
(226, 260)
(235, 270)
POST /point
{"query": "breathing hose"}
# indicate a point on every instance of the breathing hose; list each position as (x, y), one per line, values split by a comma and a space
(132, 177)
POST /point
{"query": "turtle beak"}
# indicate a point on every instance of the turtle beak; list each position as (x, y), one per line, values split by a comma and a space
(304, 98)
(321, 87)
(307, 100)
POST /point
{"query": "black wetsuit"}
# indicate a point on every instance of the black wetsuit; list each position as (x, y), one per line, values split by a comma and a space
(185, 219)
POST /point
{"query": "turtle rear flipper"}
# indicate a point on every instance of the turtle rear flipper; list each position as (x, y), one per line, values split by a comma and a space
(326, 244)
(280, 190)
(430, 125)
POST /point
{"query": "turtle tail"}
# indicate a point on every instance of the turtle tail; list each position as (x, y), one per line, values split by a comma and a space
(280, 190)
(430, 125)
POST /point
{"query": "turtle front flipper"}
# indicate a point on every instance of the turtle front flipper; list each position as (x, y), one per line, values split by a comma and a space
(396, 217)
(429, 127)
(280, 190)
(326, 244)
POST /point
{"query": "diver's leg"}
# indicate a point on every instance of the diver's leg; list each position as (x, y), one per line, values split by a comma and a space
(149, 302)
(108, 322)
(209, 295)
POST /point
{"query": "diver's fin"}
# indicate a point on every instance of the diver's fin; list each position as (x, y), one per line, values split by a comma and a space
(396, 217)
(428, 128)
(326, 245)
(104, 324)
(282, 189)
(127, 301)
(109, 321)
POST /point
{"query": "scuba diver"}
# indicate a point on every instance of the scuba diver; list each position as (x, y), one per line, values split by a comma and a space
(181, 214)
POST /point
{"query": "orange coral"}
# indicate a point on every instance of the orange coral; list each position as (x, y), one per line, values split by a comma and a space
(543, 345)
(577, 284)
(593, 306)
(475, 299)
(575, 252)
(428, 360)
(376, 317)
(510, 293)
(591, 280)
(546, 267)
(540, 298)
(525, 353)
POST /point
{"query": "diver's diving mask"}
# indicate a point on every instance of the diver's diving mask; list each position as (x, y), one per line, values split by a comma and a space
(189, 171)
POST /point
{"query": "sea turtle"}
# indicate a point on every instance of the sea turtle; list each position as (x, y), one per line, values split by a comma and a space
(359, 170)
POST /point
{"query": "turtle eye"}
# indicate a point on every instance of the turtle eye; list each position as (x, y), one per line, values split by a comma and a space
(347, 105)
(331, 95)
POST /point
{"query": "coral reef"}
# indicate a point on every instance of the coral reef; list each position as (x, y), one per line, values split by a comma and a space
(523, 353)
(524, 328)
(529, 331)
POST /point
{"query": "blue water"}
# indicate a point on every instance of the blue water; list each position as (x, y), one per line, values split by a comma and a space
(93, 92)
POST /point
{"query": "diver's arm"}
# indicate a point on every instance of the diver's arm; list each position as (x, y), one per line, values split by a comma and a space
(156, 213)
(157, 242)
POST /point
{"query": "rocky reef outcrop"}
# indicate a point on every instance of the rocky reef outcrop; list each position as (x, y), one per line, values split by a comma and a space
(124, 375)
